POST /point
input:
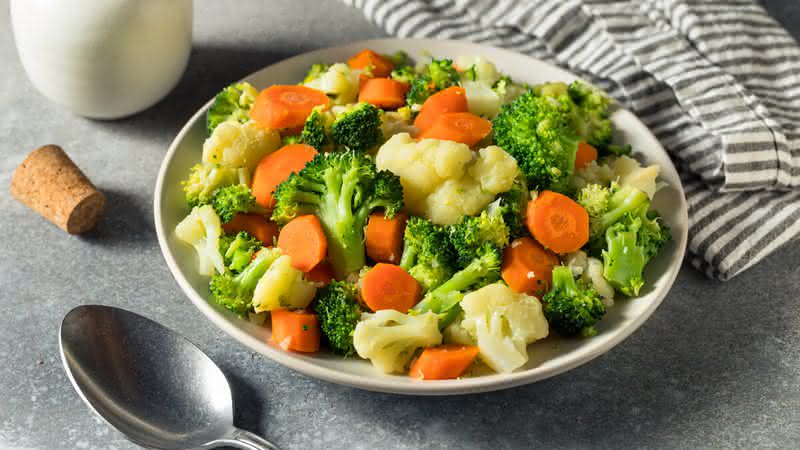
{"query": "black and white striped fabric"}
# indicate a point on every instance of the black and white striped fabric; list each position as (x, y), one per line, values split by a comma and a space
(717, 82)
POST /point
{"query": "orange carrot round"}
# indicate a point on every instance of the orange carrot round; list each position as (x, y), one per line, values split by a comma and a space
(586, 154)
(368, 60)
(304, 241)
(444, 362)
(275, 168)
(528, 267)
(286, 106)
(452, 99)
(384, 93)
(463, 127)
(558, 222)
(295, 330)
(384, 237)
(387, 286)
(256, 225)
(321, 273)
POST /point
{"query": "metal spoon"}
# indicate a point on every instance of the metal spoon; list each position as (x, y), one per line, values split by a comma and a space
(148, 382)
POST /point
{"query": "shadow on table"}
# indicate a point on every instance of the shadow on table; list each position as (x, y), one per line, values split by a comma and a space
(210, 68)
(127, 221)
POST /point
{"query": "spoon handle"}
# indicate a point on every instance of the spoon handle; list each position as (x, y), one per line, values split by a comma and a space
(244, 440)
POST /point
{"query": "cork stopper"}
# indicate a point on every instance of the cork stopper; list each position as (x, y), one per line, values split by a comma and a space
(48, 182)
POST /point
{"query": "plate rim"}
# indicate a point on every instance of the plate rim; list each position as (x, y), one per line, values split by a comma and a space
(479, 384)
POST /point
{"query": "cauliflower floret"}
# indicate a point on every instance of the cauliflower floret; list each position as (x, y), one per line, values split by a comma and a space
(482, 100)
(201, 229)
(590, 270)
(443, 180)
(624, 170)
(234, 144)
(504, 323)
(340, 82)
(389, 338)
(282, 286)
(485, 70)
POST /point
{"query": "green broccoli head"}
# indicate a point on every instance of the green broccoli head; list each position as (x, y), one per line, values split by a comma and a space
(358, 128)
(405, 74)
(234, 199)
(442, 74)
(443, 301)
(439, 74)
(205, 179)
(316, 129)
(341, 188)
(536, 131)
(338, 311)
(630, 244)
(233, 103)
(235, 291)
(570, 307)
(607, 206)
(427, 253)
(594, 199)
(591, 118)
(419, 89)
(469, 236)
(315, 71)
(512, 205)
(238, 249)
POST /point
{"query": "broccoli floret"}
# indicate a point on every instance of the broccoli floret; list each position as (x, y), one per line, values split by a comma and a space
(591, 115)
(513, 204)
(619, 150)
(358, 128)
(340, 188)
(399, 59)
(234, 199)
(235, 291)
(316, 129)
(238, 249)
(537, 132)
(338, 311)
(622, 200)
(470, 235)
(444, 300)
(419, 89)
(405, 74)
(233, 103)
(571, 307)
(630, 244)
(205, 179)
(427, 253)
(315, 71)
(594, 199)
(442, 74)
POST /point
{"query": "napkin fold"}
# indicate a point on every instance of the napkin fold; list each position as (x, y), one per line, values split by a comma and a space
(717, 82)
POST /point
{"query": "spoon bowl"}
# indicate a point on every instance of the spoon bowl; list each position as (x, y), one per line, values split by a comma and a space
(148, 382)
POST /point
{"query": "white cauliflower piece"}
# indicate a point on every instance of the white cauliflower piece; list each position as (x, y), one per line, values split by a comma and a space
(235, 145)
(389, 338)
(482, 100)
(593, 173)
(629, 172)
(201, 229)
(576, 261)
(443, 180)
(593, 276)
(340, 82)
(282, 286)
(485, 70)
(504, 323)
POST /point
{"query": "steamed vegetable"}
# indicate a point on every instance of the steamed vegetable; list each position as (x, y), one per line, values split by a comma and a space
(338, 310)
(202, 229)
(428, 254)
(282, 286)
(237, 250)
(205, 179)
(571, 307)
(232, 103)
(357, 127)
(235, 145)
(295, 330)
(389, 338)
(235, 291)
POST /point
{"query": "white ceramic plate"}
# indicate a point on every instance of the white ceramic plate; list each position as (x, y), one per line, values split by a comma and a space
(548, 357)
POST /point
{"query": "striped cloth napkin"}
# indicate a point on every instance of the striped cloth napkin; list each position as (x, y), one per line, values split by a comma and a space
(717, 82)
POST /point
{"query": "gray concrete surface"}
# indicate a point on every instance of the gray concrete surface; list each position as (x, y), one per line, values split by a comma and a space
(717, 365)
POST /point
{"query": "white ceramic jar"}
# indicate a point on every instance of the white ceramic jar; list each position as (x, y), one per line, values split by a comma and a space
(103, 59)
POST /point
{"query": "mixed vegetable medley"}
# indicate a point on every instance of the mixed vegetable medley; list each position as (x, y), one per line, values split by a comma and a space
(428, 216)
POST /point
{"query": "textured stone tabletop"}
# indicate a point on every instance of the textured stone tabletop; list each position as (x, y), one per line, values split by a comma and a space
(717, 365)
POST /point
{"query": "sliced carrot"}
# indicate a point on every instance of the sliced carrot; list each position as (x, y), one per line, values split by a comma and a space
(384, 93)
(452, 99)
(384, 237)
(275, 168)
(368, 60)
(304, 241)
(321, 273)
(528, 267)
(463, 127)
(444, 362)
(586, 154)
(286, 106)
(387, 286)
(295, 330)
(256, 225)
(558, 222)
